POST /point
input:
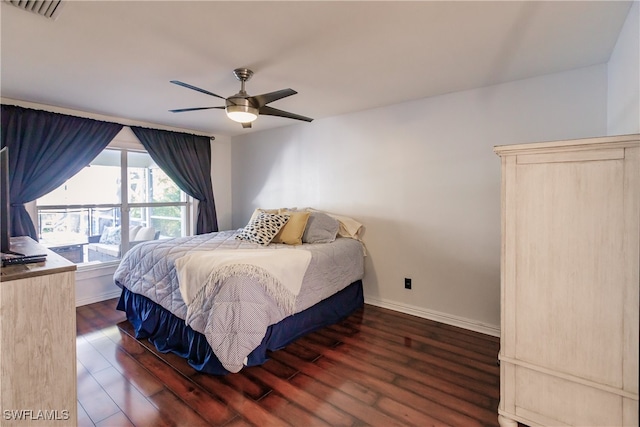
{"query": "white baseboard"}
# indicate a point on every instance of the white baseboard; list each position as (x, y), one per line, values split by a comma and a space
(436, 316)
(97, 298)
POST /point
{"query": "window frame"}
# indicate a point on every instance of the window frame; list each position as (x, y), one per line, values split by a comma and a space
(125, 147)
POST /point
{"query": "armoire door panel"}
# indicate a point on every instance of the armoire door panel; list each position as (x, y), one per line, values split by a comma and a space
(569, 267)
(570, 282)
(580, 405)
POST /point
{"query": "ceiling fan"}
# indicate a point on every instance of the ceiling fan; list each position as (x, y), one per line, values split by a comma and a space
(243, 108)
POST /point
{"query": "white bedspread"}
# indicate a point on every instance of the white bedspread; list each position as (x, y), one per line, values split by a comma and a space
(279, 272)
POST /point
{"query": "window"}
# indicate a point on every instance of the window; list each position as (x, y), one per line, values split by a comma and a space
(85, 219)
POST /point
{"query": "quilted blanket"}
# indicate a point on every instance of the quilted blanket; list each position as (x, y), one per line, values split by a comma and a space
(234, 315)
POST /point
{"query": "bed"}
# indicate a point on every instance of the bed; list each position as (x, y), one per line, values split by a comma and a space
(223, 301)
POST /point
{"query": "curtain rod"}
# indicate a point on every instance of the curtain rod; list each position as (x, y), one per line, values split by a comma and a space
(93, 116)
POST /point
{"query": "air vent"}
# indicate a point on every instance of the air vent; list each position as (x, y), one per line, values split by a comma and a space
(49, 9)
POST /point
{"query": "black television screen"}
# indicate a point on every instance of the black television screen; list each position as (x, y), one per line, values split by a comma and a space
(4, 201)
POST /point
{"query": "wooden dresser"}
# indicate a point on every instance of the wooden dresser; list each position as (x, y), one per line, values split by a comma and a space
(38, 343)
(570, 279)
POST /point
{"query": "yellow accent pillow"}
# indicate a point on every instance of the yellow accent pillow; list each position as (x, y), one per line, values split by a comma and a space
(291, 233)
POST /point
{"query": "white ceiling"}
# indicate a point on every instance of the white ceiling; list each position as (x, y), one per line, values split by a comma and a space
(116, 58)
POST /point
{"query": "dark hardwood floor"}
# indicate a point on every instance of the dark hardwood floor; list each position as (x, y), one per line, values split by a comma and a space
(377, 367)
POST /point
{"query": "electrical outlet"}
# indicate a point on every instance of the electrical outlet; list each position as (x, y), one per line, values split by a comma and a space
(407, 283)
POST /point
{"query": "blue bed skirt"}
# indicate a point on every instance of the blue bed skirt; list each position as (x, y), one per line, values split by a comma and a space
(170, 334)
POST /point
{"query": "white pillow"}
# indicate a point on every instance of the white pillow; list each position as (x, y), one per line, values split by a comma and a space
(349, 227)
(133, 231)
(145, 233)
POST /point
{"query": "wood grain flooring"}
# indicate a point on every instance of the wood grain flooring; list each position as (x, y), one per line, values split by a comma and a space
(377, 367)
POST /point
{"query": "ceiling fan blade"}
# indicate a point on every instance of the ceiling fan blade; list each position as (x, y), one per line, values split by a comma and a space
(246, 125)
(182, 110)
(270, 111)
(266, 98)
(188, 86)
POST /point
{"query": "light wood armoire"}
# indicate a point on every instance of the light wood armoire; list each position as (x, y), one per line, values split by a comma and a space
(570, 280)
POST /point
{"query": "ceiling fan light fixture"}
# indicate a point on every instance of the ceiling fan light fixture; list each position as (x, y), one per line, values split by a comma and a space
(242, 113)
(243, 108)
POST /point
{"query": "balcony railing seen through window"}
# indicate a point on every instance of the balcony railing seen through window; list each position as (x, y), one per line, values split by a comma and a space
(121, 199)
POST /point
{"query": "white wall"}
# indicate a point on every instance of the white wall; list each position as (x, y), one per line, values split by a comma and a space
(221, 179)
(624, 78)
(424, 180)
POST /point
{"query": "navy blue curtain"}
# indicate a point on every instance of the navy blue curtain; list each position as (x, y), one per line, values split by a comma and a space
(46, 149)
(186, 159)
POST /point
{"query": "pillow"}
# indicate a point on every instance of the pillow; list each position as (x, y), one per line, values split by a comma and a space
(291, 233)
(133, 231)
(349, 227)
(110, 236)
(258, 210)
(321, 228)
(145, 233)
(263, 228)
